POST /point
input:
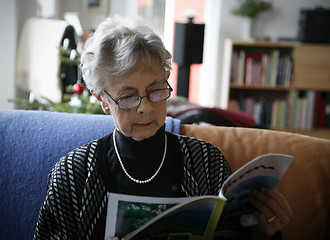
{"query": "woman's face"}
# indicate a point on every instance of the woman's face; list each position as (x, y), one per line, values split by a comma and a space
(143, 121)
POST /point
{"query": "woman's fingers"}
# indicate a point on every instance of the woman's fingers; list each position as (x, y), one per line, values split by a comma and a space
(279, 198)
(274, 208)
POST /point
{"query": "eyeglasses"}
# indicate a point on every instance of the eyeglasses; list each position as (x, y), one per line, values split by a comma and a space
(155, 96)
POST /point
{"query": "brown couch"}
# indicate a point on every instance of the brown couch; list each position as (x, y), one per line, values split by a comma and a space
(306, 182)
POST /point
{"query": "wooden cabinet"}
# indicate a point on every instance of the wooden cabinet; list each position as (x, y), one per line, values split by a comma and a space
(284, 86)
(312, 67)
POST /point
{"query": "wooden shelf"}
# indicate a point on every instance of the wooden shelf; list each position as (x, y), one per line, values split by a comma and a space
(263, 44)
(302, 73)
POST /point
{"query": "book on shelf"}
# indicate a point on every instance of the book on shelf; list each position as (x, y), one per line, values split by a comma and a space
(248, 71)
(240, 68)
(310, 109)
(303, 113)
(274, 68)
(327, 110)
(278, 81)
(253, 70)
(276, 119)
(264, 69)
(193, 218)
(249, 105)
(296, 109)
(233, 70)
(321, 110)
(287, 73)
(257, 112)
(302, 110)
(319, 107)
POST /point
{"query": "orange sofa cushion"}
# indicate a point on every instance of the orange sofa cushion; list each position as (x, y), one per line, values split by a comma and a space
(306, 182)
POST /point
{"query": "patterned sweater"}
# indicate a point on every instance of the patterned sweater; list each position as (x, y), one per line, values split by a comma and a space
(76, 194)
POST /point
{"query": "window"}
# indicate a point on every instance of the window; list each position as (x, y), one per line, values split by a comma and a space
(153, 12)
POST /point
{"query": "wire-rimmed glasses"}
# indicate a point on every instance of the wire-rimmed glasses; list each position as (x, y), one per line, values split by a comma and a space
(157, 95)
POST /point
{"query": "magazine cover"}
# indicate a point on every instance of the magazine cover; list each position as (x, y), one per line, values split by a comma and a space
(133, 217)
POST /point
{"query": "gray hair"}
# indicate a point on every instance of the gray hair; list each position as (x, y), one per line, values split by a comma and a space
(115, 47)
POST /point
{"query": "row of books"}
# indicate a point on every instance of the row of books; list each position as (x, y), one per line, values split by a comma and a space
(310, 110)
(273, 69)
(266, 112)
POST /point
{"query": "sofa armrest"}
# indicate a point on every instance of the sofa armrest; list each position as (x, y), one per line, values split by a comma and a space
(306, 182)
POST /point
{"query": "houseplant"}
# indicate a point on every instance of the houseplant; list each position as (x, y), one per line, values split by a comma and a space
(249, 10)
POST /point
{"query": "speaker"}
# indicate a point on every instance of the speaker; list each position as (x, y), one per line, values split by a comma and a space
(188, 43)
(314, 26)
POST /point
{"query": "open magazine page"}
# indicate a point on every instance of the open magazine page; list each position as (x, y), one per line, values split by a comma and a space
(263, 171)
(195, 218)
(127, 213)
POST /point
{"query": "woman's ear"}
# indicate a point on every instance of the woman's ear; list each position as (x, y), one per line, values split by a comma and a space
(168, 73)
(103, 103)
(97, 96)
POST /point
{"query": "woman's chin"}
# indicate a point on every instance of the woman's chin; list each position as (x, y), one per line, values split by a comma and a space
(142, 136)
(145, 133)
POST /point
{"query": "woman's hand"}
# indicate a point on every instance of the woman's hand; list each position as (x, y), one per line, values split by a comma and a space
(275, 212)
(114, 238)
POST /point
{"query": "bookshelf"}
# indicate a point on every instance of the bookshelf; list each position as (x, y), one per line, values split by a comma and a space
(284, 86)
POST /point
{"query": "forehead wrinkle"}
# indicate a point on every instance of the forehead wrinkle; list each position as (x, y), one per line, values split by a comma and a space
(119, 85)
(130, 88)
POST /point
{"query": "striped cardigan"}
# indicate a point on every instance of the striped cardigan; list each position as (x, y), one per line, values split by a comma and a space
(76, 195)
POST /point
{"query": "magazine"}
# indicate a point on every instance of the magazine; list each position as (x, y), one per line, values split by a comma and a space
(163, 218)
(264, 171)
(193, 218)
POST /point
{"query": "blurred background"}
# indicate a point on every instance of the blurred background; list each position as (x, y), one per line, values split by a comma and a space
(38, 37)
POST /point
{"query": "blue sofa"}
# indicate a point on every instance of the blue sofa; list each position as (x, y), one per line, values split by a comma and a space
(31, 143)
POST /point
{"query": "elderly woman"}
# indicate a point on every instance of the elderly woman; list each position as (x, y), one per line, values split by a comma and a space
(126, 67)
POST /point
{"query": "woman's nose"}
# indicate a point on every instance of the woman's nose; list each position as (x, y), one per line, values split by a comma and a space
(145, 105)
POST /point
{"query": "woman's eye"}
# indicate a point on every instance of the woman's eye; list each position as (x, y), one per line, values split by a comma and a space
(126, 97)
(156, 88)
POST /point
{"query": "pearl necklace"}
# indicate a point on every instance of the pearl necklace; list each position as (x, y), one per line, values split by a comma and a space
(124, 169)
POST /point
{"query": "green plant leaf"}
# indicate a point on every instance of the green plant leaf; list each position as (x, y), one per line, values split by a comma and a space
(251, 8)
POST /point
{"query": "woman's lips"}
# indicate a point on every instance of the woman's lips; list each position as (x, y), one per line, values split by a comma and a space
(143, 124)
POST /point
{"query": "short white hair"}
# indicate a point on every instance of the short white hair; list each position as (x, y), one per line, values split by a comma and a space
(115, 47)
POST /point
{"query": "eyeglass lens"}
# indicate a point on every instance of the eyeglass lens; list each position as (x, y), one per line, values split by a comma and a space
(156, 96)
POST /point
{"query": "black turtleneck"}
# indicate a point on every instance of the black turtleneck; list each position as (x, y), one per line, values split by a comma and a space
(141, 160)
